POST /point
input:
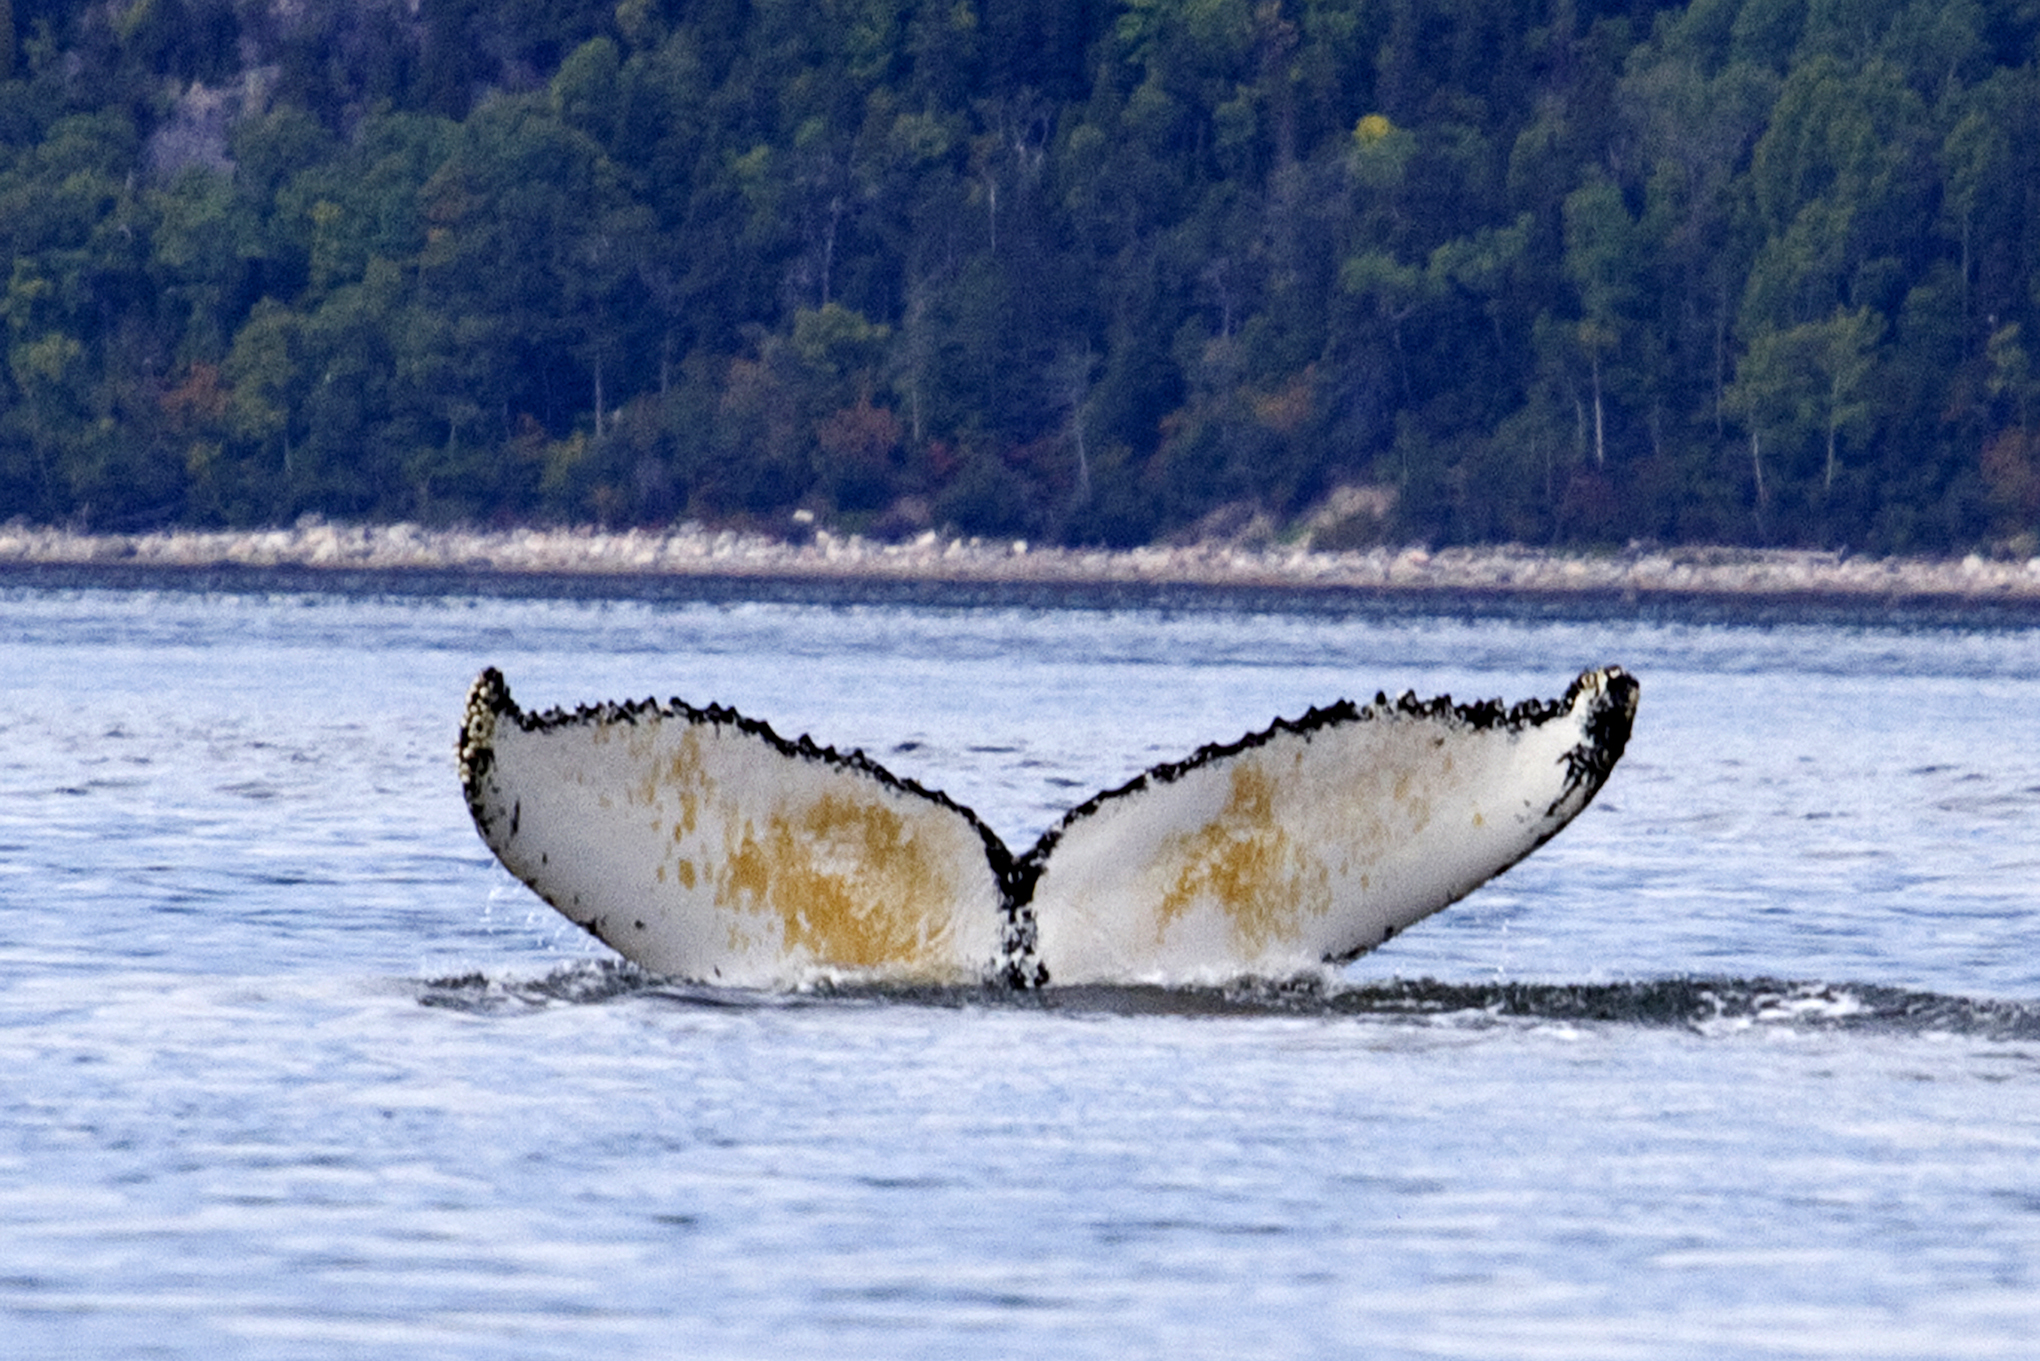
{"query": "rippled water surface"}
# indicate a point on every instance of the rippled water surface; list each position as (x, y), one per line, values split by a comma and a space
(1745, 1063)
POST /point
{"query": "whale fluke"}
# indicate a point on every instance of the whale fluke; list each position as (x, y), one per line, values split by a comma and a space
(703, 845)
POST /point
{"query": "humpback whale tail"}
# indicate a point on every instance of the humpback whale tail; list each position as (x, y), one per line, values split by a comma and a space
(702, 844)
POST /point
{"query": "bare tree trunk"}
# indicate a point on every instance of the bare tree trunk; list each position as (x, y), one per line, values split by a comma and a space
(1083, 461)
(1720, 354)
(1072, 374)
(1600, 431)
(829, 245)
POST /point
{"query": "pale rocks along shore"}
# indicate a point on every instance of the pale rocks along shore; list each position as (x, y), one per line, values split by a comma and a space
(699, 552)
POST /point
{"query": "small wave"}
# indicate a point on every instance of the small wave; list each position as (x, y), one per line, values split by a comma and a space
(1707, 1005)
(583, 983)
(1703, 1005)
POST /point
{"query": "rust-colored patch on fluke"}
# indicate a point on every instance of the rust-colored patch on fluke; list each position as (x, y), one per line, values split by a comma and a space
(850, 883)
(1244, 862)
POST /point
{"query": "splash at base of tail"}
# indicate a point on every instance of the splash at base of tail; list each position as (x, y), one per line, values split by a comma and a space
(703, 845)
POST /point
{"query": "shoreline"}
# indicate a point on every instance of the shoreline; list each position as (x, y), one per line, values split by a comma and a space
(315, 549)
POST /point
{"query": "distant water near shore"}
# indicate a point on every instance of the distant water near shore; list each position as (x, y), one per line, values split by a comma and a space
(318, 555)
(1745, 1063)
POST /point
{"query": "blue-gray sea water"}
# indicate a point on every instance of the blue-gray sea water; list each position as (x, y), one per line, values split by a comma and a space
(1746, 1063)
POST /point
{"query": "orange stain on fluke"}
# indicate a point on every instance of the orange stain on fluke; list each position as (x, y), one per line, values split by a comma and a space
(848, 880)
(1244, 862)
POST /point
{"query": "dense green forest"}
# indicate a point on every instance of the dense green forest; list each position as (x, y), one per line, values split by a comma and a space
(1553, 271)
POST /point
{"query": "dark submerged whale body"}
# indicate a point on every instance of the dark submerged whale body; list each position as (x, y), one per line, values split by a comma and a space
(701, 844)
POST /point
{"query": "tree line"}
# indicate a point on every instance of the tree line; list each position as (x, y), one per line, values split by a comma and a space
(1551, 271)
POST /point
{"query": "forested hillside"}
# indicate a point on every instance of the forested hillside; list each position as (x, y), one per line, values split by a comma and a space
(1572, 271)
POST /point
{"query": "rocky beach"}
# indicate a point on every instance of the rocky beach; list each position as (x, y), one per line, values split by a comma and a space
(692, 551)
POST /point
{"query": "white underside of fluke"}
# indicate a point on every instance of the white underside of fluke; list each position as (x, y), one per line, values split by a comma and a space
(1312, 846)
(702, 845)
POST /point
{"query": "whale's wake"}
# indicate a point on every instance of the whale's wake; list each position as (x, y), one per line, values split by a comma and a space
(702, 845)
(1719, 1007)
